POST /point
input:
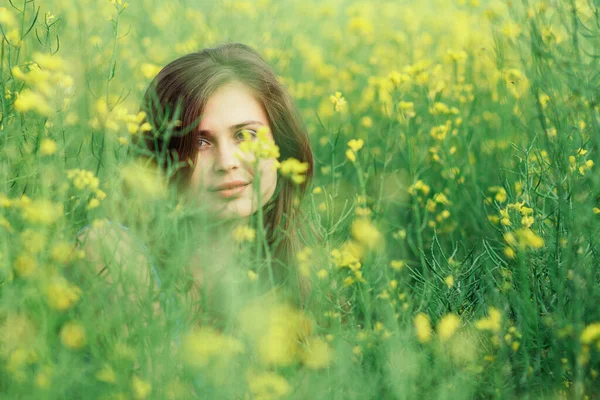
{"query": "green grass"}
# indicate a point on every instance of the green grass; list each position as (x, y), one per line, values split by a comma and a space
(478, 200)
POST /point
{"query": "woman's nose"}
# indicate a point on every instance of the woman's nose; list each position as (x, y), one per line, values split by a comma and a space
(225, 158)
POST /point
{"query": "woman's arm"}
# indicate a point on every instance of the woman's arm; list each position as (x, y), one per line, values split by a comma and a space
(113, 254)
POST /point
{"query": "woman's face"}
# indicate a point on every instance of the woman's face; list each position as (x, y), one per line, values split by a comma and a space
(230, 111)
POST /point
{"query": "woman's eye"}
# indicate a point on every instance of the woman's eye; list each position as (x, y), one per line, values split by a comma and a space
(200, 142)
(250, 131)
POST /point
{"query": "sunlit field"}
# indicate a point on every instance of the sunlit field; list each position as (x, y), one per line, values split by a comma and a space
(451, 237)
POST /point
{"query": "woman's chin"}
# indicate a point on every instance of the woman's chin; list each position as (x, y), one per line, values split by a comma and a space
(233, 210)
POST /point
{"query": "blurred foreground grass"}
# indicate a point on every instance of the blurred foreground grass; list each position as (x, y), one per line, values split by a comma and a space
(455, 187)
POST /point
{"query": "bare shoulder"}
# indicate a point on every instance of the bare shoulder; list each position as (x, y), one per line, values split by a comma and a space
(113, 250)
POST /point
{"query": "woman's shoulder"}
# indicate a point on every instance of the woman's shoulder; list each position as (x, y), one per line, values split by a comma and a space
(114, 241)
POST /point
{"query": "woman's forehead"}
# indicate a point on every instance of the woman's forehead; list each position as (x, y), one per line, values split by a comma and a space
(231, 105)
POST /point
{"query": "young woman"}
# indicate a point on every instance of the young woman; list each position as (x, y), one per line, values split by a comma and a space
(200, 107)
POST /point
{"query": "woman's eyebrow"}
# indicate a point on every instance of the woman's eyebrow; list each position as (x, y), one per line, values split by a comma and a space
(232, 127)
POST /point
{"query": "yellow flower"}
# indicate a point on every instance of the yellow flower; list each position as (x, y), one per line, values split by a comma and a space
(261, 147)
(83, 179)
(268, 385)
(348, 255)
(243, 233)
(492, 323)
(339, 101)
(32, 101)
(25, 265)
(350, 155)
(33, 240)
(149, 71)
(144, 178)
(62, 295)
(511, 30)
(449, 281)
(253, 276)
(406, 105)
(423, 327)
(48, 147)
(276, 330)
(529, 238)
(419, 186)
(510, 252)
(591, 333)
(448, 326)
(93, 203)
(42, 211)
(106, 374)
(398, 78)
(49, 62)
(366, 121)
(366, 233)
(397, 264)
(317, 354)
(294, 169)
(6, 18)
(72, 335)
(14, 37)
(141, 389)
(42, 378)
(356, 145)
(202, 345)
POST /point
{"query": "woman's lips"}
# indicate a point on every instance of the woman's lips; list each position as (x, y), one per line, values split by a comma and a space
(226, 193)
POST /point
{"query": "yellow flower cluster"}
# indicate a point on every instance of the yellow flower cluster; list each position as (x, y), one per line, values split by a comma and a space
(345, 257)
(145, 179)
(527, 218)
(582, 165)
(294, 169)
(398, 78)
(278, 331)
(441, 131)
(260, 148)
(512, 338)
(204, 345)
(591, 333)
(446, 327)
(354, 146)
(348, 256)
(304, 261)
(521, 239)
(48, 147)
(109, 116)
(85, 180)
(366, 234)
(407, 110)
(419, 186)
(439, 108)
(501, 195)
(243, 233)
(423, 327)
(339, 102)
(45, 77)
(61, 294)
(267, 385)
(73, 336)
(492, 323)
(42, 211)
(140, 388)
(6, 18)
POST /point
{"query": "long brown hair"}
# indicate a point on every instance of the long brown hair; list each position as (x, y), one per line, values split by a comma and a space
(174, 103)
